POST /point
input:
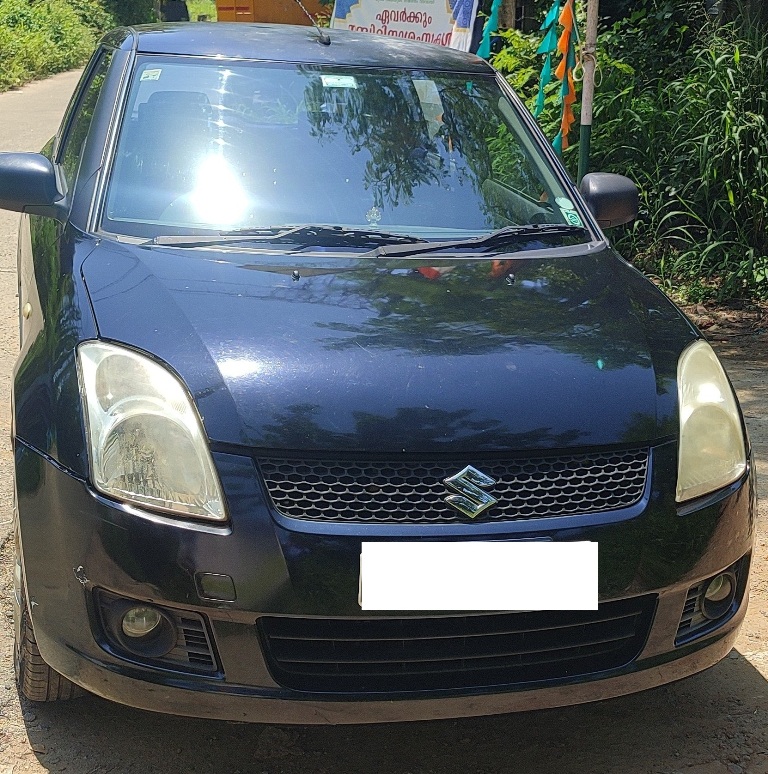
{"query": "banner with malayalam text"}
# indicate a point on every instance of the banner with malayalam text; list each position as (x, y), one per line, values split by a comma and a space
(445, 22)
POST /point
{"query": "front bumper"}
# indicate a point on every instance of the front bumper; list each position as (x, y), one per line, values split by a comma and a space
(77, 544)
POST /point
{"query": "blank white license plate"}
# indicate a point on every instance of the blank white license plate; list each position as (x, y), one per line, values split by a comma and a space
(478, 575)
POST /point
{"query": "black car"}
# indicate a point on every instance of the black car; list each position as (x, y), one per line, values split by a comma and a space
(291, 302)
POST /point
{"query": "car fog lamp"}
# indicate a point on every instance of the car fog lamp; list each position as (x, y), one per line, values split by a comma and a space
(719, 595)
(141, 621)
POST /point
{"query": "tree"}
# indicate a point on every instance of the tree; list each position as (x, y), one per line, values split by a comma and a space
(129, 12)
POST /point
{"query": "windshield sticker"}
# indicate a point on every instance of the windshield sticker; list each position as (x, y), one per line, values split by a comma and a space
(339, 81)
(563, 203)
(571, 216)
(151, 75)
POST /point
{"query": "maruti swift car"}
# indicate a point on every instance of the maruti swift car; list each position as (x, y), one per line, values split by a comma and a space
(317, 335)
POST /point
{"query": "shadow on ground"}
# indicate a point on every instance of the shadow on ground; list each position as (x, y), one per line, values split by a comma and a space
(640, 733)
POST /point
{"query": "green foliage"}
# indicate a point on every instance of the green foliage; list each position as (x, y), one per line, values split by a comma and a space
(37, 39)
(520, 65)
(518, 62)
(201, 8)
(93, 14)
(656, 36)
(692, 130)
(681, 106)
(723, 180)
(130, 12)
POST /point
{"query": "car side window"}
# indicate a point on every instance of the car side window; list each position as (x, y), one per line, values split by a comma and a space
(72, 146)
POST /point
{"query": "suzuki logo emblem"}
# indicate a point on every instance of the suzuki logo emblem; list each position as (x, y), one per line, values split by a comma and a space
(471, 500)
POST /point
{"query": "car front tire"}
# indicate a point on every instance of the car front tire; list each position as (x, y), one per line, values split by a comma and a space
(35, 679)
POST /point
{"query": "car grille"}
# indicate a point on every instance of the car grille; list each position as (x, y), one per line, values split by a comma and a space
(415, 654)
(414, 492)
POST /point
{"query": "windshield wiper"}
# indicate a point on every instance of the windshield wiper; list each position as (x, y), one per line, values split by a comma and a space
(509, 234)
(310, 234)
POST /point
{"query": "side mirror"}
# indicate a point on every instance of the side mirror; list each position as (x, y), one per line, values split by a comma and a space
(27, 182)
(613, 199)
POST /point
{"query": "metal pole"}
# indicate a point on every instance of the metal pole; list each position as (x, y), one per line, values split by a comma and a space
(588, 85)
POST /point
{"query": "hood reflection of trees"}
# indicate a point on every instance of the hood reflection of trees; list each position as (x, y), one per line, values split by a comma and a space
(576, 306)
(414, 428)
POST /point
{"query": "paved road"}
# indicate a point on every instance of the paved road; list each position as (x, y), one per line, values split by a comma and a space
(714, 723)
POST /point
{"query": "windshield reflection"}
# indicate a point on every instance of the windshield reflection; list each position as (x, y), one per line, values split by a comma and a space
(204, 146)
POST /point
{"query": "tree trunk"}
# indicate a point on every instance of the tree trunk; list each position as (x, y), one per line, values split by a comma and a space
(507, 14)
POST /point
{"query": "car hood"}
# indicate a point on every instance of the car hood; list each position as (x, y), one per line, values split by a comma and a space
(345, 353)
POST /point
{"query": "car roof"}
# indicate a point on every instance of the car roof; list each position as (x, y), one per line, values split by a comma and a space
(289, 43)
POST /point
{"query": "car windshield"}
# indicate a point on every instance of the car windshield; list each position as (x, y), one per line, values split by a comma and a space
(208, 146)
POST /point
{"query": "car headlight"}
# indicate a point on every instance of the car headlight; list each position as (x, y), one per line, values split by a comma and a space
(146, 440)
(712, 450)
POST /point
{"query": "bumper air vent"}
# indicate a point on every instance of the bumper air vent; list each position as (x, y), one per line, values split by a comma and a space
(392, 655)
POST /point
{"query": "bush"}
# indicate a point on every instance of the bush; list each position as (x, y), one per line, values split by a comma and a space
(42, 37)
(693, 133)
(38, 39)
(681, 106)
(93, 14)
(518, 62)
(129, 12)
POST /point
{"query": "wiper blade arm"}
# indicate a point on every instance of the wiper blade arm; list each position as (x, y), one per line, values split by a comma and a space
(494, 239)
(220, 237)
(337, 235)
(322, 235)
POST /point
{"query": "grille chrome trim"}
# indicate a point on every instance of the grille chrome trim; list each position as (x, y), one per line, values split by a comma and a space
(352, 655)
(413, 492)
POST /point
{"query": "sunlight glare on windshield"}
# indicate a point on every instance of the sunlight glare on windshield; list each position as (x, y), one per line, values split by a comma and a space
(218, 198)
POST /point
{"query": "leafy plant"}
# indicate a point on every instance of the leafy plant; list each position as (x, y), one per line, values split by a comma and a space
(694, 137)
(37, 39)
(682, 107)
(518, 62)
(201, 8)
(131, 12)
(93, 14)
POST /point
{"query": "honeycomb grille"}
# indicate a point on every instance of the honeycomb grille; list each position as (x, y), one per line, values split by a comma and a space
(414, 492)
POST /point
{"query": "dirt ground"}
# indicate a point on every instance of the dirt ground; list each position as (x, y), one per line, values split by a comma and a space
(712, 723)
